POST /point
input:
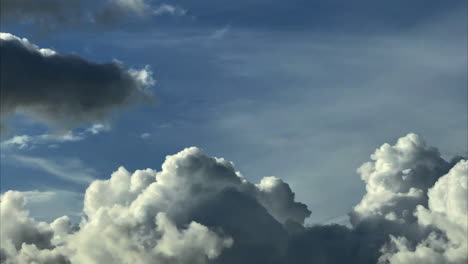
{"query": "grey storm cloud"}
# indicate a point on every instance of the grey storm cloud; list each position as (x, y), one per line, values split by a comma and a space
(199, 209)
(64, 90)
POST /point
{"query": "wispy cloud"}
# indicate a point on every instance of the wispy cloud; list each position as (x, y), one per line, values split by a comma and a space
(171, 10)
(98, 128)
(70, 169)
(220, 33)
(145, 135)
(24, 142)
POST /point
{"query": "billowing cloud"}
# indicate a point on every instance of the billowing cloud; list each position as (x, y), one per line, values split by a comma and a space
(398, 177)
(64, 90)
(447, 212)
(199, 209)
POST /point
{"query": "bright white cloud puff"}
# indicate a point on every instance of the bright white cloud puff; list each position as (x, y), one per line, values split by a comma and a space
(199, 209)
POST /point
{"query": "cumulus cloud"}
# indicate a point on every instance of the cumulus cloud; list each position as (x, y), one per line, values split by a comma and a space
(199, 209)
(23, 239)
(398, 178)
(447, 212)
(64, 90)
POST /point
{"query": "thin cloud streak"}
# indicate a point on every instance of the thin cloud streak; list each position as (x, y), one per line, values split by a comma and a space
(72, 170)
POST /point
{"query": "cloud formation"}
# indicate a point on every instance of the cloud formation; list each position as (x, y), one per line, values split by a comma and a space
(51, 14)
(71, 170)
(26, 142)
(64, 90)
(447, 212)
(397, 179)
(199, 209)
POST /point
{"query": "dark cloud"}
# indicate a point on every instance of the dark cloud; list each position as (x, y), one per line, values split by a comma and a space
(52, 14)
(47, 16)
(64, 90)
(45, 13)
(198, 209)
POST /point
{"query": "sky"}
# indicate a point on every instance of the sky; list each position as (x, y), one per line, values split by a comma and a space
(305, 91)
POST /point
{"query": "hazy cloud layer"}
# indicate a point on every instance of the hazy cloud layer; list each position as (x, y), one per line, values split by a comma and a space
(199, 209)
(64, 90)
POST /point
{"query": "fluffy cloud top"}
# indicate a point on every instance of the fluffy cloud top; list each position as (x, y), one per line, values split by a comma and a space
(198, 209)
(64, 90)
(398, 177)
(447, 212)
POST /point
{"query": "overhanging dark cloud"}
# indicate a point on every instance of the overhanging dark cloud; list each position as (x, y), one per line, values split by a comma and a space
(64, 90)
(198, 209)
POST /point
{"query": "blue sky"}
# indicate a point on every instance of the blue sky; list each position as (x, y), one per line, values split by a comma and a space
(302, 90)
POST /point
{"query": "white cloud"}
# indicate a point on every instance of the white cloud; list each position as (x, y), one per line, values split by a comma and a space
(220, 33)
(31, 141)
(151, 213)
(447, 212)
(25, 42)
(22, 142)
(70, 170)
(398, 177)
(145, 135)
(98, 128)
(144, 77)
(23, 239)
(199, 209)
(172, 10)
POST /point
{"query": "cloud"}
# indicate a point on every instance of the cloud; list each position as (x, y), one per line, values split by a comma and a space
(98, 128)
(220, 33)
(72, 170)
(397, 179)
(28, 142)
(23, 239)
(25, 142)
(199, 209)
(447, 211)
(171, 10)
(145, 135)
(52, 14)
(64, 90)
